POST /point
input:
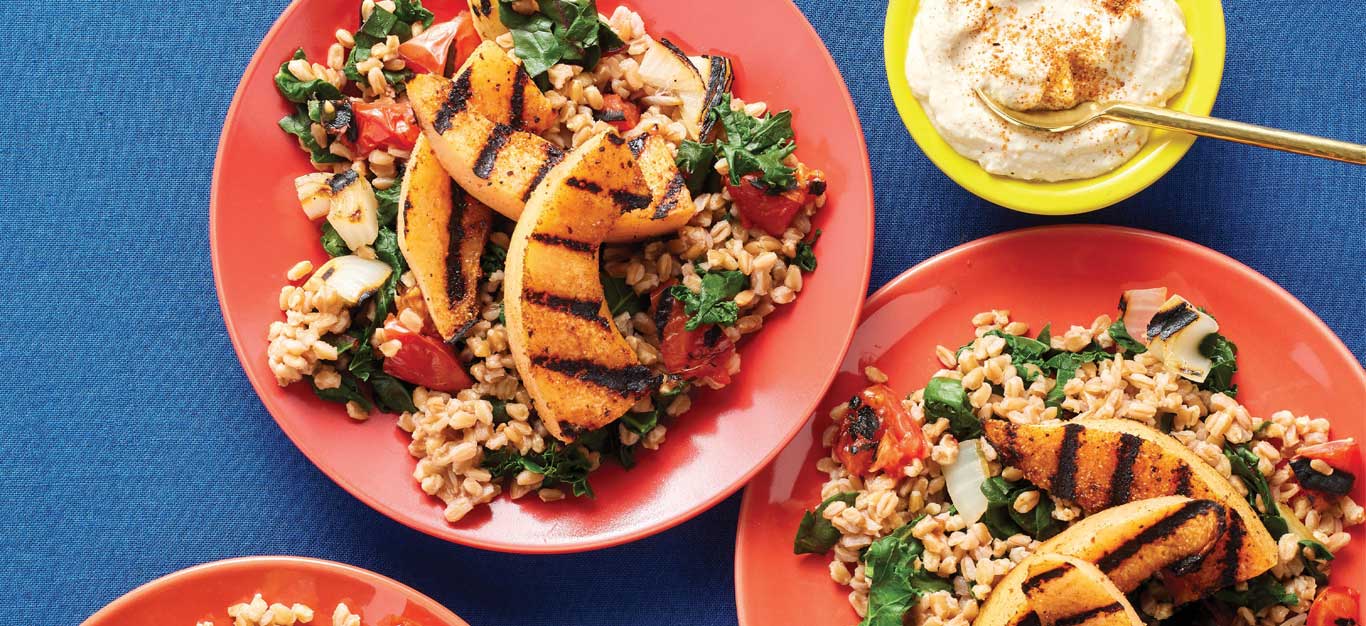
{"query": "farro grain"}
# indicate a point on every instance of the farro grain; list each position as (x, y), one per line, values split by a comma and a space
(299, 270)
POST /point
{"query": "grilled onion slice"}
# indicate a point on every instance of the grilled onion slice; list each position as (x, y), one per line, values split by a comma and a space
(671, 72)
(355, 210)
(352, 277)
(718, 73)
(1175, 333)
(314, 193)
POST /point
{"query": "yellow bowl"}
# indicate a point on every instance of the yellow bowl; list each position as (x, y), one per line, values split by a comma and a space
(1204, 22)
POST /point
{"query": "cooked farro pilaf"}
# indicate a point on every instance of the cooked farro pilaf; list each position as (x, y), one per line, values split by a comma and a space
(258, 612)
(1135, 387)
(454, 434)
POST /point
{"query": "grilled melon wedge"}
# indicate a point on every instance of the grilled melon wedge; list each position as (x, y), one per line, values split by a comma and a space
(496, 86)
(442, 232)
(579, 370)
(671, 205)
(501, 166)
(1067, 590)
(496, 163)
(1127, 543)
(487, 22)
(1103, 463)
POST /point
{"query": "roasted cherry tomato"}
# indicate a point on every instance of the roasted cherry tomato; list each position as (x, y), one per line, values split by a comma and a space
(429, 51)
(619, 113)
(384, 123)
(424, 360)
(878, 434)
(1335, 606)
(757, 206)
(692, 354)
(1342, 454)
(773, 212)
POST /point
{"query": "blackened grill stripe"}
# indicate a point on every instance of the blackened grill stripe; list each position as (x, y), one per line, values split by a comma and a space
(343, 180)
(486, 7)
(1167, 323)
(1030, 619)
(715, 79)
(590, 310)
(1039, 580)
(627, 201)
(1167, 526)
(1183, 480)
(455, 274)
(553, 156)
(1122, 481)
(564, 242)
(663, 310)
(1065, 477)
(1086, 616)
(1228, 573)
(625, 381)
(456, 100)
(670, 199)
(1194, 562)
(518, 99)
(584, 185)
(488, 157)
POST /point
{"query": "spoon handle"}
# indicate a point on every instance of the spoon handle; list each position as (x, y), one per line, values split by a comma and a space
(1240, 132)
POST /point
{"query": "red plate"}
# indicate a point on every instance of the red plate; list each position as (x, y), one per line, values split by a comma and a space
(204, 592)
(1287, 359)
(257, 232)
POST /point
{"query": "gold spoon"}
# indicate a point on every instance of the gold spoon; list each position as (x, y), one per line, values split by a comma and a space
(1087, 112)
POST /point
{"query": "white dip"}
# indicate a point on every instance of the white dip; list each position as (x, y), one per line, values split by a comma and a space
(1044, 54)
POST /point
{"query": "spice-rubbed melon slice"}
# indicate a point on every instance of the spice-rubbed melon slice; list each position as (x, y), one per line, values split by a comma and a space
(579, 370)
(1103, 463)
(501, 166)
(670, 206)
(1067, 590)
(497, 87)
(496, 163)
(442, 232)
(1127, 543)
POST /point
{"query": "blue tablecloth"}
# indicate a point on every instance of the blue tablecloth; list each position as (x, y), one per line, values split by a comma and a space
(132, 445)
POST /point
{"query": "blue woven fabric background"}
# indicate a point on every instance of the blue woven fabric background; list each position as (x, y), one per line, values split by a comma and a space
(131, 444)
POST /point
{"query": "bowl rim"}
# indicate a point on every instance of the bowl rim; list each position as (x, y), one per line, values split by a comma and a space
(448, 533)
(137, 594)
(897, 285)
(1159, 155)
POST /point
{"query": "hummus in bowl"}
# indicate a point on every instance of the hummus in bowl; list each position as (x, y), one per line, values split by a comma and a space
(1044, 54)
(1033, 55)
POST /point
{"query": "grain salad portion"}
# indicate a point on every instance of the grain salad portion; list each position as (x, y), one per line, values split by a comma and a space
(547, 229)
(1105, 474)
(259, 612)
